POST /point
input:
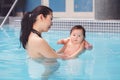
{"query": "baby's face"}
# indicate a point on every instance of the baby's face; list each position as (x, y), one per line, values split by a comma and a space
(77, 36)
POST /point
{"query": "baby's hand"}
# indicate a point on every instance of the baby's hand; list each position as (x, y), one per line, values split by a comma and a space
(89, 47)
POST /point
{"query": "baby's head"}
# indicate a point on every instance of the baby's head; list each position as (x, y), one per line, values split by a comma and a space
(78, 27)
(77, 34)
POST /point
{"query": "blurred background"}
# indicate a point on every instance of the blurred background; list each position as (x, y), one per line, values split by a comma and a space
(61, 8)
(93, 9)
(73, 9)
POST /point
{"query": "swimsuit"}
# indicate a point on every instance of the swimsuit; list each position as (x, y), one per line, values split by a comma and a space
(36, 32)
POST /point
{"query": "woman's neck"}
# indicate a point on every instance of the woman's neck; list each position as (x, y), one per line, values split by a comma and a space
(36, 32)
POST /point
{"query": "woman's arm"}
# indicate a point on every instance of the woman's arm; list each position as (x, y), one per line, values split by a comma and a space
(45, 50)
(61, 50)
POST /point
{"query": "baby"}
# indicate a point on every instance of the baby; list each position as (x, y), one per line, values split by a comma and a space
(75, 44)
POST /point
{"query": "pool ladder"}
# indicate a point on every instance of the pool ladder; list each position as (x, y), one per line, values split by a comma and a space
(10, 10)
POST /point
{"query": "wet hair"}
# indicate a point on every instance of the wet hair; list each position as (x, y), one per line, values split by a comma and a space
(78, 27)
(29, 19)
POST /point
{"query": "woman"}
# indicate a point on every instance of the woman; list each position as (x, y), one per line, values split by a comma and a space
(42, 58)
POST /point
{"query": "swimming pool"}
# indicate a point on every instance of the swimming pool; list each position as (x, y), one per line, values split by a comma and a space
(101, 63)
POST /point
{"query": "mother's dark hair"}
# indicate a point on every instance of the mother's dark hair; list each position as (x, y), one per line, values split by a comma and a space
(29, 19)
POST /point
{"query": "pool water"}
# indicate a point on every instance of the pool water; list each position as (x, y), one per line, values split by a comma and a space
(100, 63)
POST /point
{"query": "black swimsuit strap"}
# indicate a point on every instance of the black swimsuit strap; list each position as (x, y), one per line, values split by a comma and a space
(36, 32)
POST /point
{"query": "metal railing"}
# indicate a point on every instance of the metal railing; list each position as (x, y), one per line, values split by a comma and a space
(10, 10)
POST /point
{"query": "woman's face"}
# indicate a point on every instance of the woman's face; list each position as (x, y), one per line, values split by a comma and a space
(77, 36)
(47, 22)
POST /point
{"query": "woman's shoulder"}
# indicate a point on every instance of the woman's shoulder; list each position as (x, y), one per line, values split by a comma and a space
(35, 40)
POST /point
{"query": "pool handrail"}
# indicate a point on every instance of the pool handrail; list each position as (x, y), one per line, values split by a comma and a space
(8, 13)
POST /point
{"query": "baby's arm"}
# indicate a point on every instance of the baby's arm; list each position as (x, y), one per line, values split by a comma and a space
(88, 45)
(63, 41)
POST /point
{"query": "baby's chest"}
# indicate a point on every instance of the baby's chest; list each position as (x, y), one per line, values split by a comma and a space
(71, 48)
